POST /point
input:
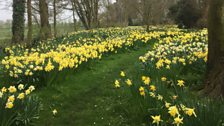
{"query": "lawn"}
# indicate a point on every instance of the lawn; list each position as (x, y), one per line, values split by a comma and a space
(114, 76)
(6, 33)
(88, 96)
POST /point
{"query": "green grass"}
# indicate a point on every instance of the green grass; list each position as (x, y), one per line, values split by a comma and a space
(88, 96)
(6, 34)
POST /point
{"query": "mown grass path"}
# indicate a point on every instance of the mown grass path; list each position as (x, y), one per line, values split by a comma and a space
(88, 98)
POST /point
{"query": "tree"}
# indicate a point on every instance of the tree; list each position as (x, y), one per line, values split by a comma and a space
(45, 30)
(186, 13)
(57, 7)
(87, 10)
(29, 16)
(114, 14)
(153, 11)
(147, 13)
(55, 17)
(73, 16)
(18, 23)
(215, 72)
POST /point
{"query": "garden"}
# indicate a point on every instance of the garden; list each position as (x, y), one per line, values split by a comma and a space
(115, 76)
(111, 63)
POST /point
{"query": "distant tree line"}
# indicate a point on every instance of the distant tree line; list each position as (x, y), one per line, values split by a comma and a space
(104, 13)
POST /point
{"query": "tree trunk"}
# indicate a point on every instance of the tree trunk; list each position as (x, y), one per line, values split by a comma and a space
(146, 13)
(55, 18)
(30, 28)
(73, 15)
(215, 72)
(95, 13)
(18, 23)
(87, 11)
(45, 30)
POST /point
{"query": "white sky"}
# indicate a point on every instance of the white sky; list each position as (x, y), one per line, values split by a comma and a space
(6, 11)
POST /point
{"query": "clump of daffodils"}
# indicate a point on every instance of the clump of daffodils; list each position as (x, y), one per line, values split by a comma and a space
(180, 49)
(175, 111)
(9, 95)
(71, 52)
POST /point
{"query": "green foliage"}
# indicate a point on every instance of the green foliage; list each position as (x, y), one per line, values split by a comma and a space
(186, 13)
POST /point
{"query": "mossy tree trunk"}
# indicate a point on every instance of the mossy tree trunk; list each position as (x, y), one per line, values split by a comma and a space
(45, 30)
(30, 28)
(215, 67)
(18, 23)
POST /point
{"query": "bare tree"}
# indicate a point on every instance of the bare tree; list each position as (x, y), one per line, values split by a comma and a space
(87, 10)
(73, 16)
(154, 11)
(57, 7)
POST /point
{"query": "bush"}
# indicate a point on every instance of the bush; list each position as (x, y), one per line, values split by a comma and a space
(186, 13)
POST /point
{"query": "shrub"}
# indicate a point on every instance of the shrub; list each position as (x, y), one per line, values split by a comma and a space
(186, 13)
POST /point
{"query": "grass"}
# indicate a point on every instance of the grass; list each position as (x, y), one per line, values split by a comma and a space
(88, 97)
(6, 33)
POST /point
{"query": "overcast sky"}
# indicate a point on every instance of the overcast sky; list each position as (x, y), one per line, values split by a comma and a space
(6, 11)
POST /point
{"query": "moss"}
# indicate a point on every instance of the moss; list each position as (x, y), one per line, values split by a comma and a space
(18, 23)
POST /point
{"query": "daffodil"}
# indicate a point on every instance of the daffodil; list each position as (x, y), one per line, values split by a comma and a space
(128, 82)
(160, 97)
(122, 73)
(21, 87)
(167, 104)
(146, 80)
(173, 111)
(12, 89)
(54, 112)
(163, 79)
(117, 84)
(142, 91)
(177, 121)
(1, 94)
(4, 89)
(21, 96)
(27, 92)
(190, 111)
(156, 119)
(180, 83)
(152, 94)
(152, 88)
(11, 98)
(49, 66)
(9, 105)
(31, 88)
(175, 97)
